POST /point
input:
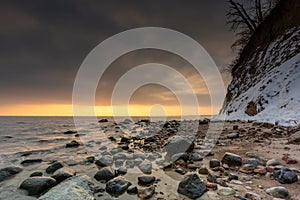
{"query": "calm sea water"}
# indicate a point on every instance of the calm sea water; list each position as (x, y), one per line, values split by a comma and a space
(21, 134)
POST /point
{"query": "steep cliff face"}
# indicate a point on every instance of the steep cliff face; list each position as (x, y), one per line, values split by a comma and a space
(266, 78)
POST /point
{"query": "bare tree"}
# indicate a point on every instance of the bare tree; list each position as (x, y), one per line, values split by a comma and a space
(244, 20)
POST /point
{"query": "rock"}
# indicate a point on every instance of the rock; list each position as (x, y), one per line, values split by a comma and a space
(226, 192)
(213, 186)
(72, 144)
(63, 173)
(31, 161)
(252, 196)
(214, 163)
(52, 168)
(285, 175)
(70, 132)
(204, 121)
(192, 186)
(36, 174)
(120, 156)
(181, 156)
(179, 144)
(121, 171)
(8, 172)
(278, 192)
(261, 159)
(129, 163)
(233, 136)
(180, 170)
(104, 174)
(289, 160)
(260, 170)
(146, 193)
(203, 170)
(272, 162)
(103, 120)
(253, 161)
(232, 159)
(196, 157)
(132, 189)
(138, 155)
(146, 180)
(233, 176)
(37, 185)
(104, 161)
(294, 138)
(247, 169)
(90, 159)
(117, 186)
(146, 167)
(235, 127)
(75, 188)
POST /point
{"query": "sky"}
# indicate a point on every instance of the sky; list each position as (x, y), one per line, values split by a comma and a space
(43, 44)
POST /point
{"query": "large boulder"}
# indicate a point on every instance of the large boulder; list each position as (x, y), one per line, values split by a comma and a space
(8, 172)
(192, 186)
(75, 188)
(37, 185)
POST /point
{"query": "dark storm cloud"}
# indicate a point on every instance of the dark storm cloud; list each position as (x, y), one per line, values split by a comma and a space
(42, 43)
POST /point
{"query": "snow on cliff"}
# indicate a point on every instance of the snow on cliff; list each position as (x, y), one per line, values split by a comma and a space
(267, 87)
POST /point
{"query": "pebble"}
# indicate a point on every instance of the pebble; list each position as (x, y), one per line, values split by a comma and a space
(72, 144)
(146, 193)
(63, 173)
(146, 167)
(226, 192)
(232, 159)
(31, 161)
(278, 192)
(132, 189)
(104, 161)
(272, 162)
(104, 174)
(214, 163)
(53, 167)
(192, 186)
(117, 186)
(146, 180)
(8, 172)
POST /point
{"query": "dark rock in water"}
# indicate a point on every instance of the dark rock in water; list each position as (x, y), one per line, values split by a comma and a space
(63, 173)
(146, 180)
(105, 160)
(278, 192)
(36, 174)
(31, 162)
(146, 167)
(52, 168)
(214, 163)
(204, 121)
(70, 132)
(192, 186)
(285, 175)
(78, 187)
(37, 185)
(72, 144)
(104, 174)
(117, 186)
(8, 172)
(178, 145)
(121, 171)
(232, 135)
(103, 120)
(294, 138)
(132, 189)
(232, 159)
(146, 193)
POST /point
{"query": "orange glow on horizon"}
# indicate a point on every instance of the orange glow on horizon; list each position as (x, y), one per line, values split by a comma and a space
(66, 110)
